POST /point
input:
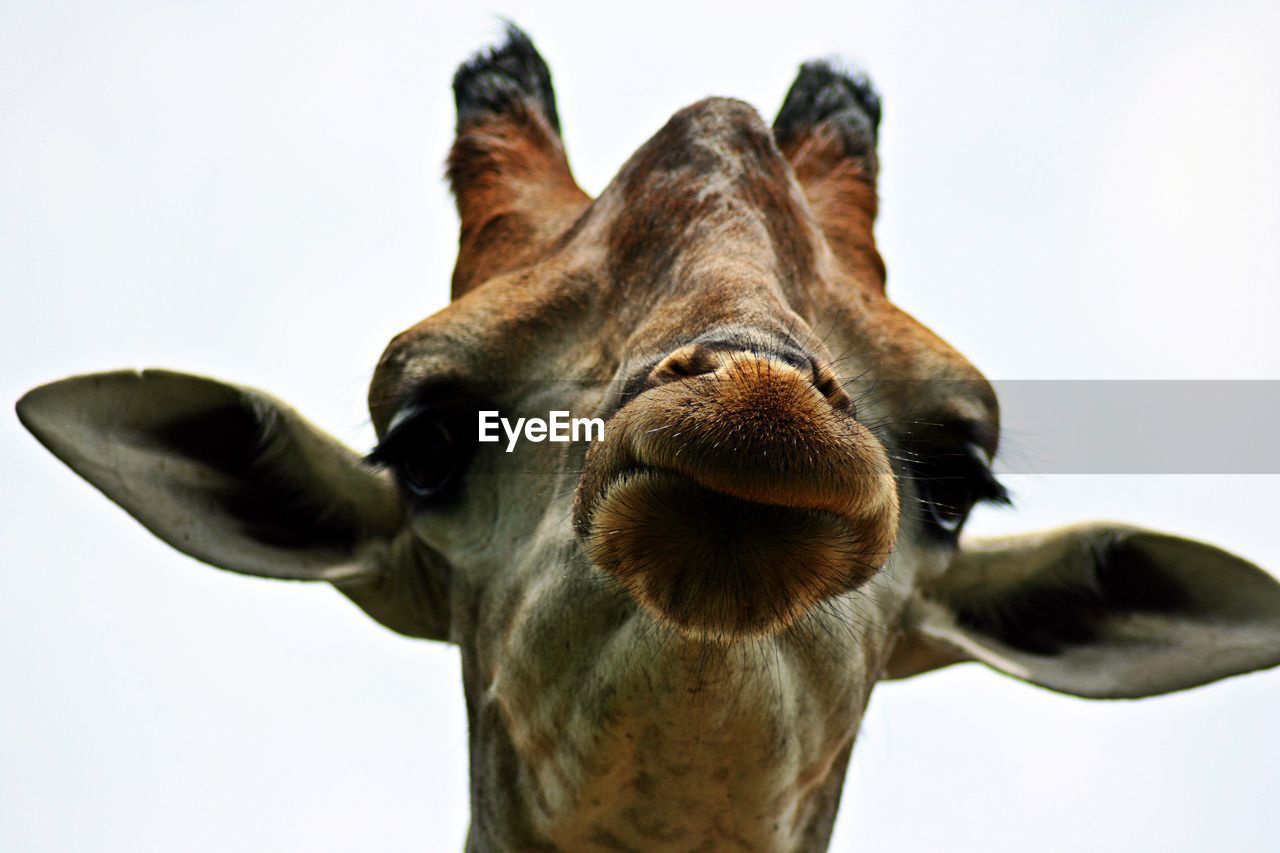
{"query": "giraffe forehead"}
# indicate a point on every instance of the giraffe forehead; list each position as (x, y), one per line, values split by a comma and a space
(711, 187)
(704, 226)
(707, 210)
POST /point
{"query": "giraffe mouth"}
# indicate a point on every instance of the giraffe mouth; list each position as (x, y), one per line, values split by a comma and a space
(717, 566)
(725, 514)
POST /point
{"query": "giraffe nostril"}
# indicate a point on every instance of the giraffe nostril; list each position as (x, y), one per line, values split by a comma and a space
(683, 367)
(684, 363)
(829, 386)
(700, 359)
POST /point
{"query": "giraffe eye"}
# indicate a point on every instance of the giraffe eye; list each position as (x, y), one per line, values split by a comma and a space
(428, 447)
(950, 481)
(429, 461)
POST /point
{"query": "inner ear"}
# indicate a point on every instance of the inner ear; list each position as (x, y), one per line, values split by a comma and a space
(1079, 600)
(245, 446)
(1097, 610)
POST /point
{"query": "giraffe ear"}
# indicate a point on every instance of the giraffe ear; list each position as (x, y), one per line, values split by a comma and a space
(1101, 611)
(223, 473)
(237, 479)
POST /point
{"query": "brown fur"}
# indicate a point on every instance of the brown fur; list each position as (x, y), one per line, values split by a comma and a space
(514, 191)
(843, 198)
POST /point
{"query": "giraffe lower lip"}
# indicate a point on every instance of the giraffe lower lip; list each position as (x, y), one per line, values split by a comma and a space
(724, 486)
(715, 565)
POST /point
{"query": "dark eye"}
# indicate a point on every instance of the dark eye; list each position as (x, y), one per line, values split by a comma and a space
(428, 447)
(429, 461)
(949, 481)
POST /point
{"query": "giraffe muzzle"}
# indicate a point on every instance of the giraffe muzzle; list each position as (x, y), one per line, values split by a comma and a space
(735, 493)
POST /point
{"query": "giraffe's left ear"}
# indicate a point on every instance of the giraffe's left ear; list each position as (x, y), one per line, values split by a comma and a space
(237, 479)
(1102, 611)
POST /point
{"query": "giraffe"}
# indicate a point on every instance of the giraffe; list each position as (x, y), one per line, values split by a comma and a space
(669, 629)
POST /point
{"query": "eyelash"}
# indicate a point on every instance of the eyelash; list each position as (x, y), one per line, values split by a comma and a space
(429, 447)
(949, 483)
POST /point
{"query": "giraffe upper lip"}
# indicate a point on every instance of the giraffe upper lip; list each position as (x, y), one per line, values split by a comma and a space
(774, 345)
(769, 437)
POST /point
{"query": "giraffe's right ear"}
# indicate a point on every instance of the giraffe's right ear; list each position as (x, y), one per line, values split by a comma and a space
(1097, 610)
(237, 479)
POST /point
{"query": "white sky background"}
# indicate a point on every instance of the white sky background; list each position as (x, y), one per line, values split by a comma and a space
(253, 190)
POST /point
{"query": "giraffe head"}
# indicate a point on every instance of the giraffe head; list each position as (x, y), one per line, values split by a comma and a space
(786, 464)
(722, 305)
